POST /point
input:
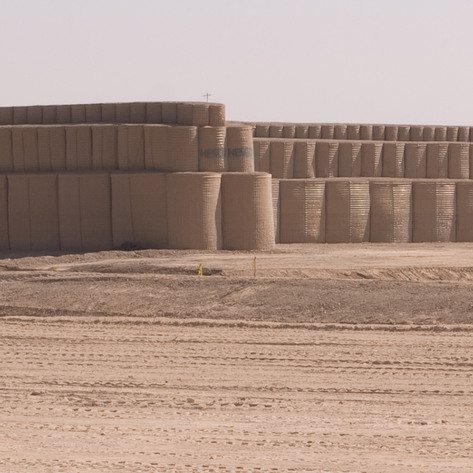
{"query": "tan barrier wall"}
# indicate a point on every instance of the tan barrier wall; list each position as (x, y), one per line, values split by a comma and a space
(464, 211)
(276, 208)
(212, 157)
(416, 133)
(247, 211)
(240, 151)
(403, 133)
(349, 159)
(327, 131)
(185, 113)
(379, 132)
(433, 214)
(85, 212)
(347, 217)
(194, 210)
(262, 154)
(390, 211)
(33, 212)
(262, 130)
(183, 149)
(437, 161)
(393, 160)
(282, 159)
(326, 159)
(464, 133)
(304, 159)
(4, 242)
(139, 215)
(302, 211)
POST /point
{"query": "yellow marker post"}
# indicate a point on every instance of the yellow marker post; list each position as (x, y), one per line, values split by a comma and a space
(254, 267)
(199, 272)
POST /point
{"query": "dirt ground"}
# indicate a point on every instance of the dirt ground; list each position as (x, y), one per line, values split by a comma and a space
(334, 358)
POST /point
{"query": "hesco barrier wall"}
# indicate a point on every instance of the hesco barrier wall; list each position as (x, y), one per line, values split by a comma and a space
(351, 131)
(90, 177)
(296, 158)
(182, 113)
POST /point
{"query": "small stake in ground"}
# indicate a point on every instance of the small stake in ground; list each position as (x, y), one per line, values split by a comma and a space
(199, 271)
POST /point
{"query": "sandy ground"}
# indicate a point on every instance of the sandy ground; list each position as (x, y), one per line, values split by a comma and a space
(336, 358)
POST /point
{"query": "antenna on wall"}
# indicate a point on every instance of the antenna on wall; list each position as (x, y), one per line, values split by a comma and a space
(207, 95)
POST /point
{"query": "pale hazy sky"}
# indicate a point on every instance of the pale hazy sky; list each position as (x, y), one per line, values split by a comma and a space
(360, 61)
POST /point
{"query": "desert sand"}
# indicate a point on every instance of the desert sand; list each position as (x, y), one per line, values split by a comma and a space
(336, 358)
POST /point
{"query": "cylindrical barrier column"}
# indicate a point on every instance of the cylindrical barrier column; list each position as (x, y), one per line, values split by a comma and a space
(327, 131)
(212, 149)
(326, 158)
(275, 130)
(340, 132)
(289, 131)
(458, 160)
(440, 133)
(194, 210)
(391, 211)
(403, 133)
(433, 211)
(131, 147)
(349, 159)
(240, 149)
(302, 131)
(262, 130)
(371, 159)
(366, 132)
(282, 159)
(393, 159)
(437, 161)
(452, 133)
(262, 152)
(391, 132)
(183, 149)
(247, 211)
(156, 147)
(379, 132)
(216, 114)
(464, 230)
(302, 211)
(429, 133)
(463, 133)
(276, 208)
(6, 151)
(353, 132)
(104, 147)
(347, 217)
(139, 215)
(304, 159)
(416, 133)
(415, 160)
(315, 132)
